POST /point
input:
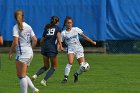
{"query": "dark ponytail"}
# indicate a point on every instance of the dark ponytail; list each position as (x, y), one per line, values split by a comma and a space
(54, 20)
(66, 19)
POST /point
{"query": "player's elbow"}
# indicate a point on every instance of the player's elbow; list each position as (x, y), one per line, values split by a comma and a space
(35, 41)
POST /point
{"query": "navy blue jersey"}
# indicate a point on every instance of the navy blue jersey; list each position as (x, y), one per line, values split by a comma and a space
(50, 40)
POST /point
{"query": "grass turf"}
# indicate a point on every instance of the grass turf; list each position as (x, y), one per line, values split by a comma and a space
(108, 74)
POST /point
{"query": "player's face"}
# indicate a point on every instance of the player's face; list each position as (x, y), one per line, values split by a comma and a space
(69, 24)
(19, 16)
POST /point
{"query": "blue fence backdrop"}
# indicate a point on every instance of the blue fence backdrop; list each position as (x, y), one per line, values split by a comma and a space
(99, 19)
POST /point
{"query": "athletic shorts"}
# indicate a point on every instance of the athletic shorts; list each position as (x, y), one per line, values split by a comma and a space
(49, 54)
(78, 51)
(24, 59)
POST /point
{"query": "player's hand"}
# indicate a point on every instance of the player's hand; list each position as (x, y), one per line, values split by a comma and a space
(94, 43)
(61, 49)
(10, 55)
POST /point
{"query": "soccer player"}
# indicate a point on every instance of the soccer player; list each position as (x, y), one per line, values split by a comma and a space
(1, 40)
(22, 36)
(49, 49)
(74, 47)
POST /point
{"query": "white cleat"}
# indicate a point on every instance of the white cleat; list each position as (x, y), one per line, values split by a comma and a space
(34, 77)
(36, 90)
(43, 82)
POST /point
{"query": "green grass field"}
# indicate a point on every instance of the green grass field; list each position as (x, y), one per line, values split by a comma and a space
(108, 74)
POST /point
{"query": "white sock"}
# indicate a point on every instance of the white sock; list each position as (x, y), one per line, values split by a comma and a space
(67, 69)
(79, 70)
(30, 84)
(23, 85)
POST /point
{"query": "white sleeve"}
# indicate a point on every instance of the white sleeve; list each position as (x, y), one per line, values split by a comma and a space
(79, 31)
(32, 32)
(62, 37)
(15, 32)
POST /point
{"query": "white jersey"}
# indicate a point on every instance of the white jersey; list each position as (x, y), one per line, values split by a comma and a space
(71, 38)
(72, 41)
(24, 40)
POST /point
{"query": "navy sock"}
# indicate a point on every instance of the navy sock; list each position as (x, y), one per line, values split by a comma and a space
(49, 74)
(41, 70)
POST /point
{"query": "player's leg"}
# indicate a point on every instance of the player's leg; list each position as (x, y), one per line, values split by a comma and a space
(53, 67)
(54, 61)
(42, 69)
(80, 58)
(80, 61)
(21, 73)
(68, 67)
(78, 72)
(30, 84)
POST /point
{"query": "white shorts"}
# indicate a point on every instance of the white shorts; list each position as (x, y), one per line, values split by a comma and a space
(78, 51)
(23, 59)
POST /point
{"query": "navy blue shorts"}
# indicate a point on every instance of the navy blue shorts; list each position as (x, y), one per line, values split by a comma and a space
(49, 54)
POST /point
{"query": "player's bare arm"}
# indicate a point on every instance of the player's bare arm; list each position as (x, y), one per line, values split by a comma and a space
(1, 40)
(88, 39)
(34, 39)
(59, 42)
(42, 41)
(13, 47)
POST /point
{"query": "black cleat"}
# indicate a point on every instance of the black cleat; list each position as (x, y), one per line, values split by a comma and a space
(75, 77)
(64, 81)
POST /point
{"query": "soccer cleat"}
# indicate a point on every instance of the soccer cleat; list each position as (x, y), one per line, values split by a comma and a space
(43, 82)
(64, 81)
(34, 77)
(36, 90)
(75, 77)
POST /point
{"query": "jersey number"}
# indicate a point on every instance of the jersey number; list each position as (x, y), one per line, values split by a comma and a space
(51, 31)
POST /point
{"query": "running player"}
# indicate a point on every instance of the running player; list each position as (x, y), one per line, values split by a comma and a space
(22, 36)
(74, 47)
(49, 49)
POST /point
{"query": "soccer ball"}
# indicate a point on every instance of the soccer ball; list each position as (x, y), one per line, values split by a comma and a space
(84, 67)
